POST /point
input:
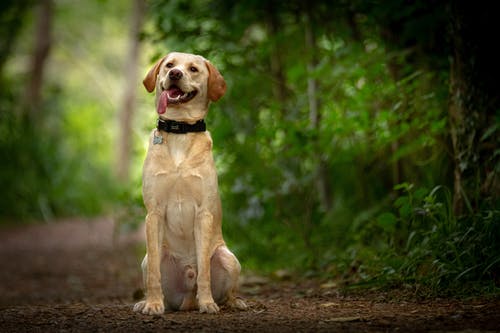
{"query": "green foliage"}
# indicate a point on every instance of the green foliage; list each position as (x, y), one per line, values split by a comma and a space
(45, 173)
(428, 247)
(56, 160)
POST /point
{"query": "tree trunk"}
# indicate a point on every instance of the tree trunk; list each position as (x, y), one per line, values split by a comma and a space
(129, 99)
(276, 62)
(474, 106)
(43, 42)
(322, 179)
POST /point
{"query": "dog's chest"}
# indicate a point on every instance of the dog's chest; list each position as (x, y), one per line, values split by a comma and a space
(179, 171)
(178, 149)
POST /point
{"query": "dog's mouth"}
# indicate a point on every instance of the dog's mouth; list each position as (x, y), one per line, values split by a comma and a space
(174, 95)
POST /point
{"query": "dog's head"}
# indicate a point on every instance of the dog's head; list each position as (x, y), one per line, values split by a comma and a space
(185, 84)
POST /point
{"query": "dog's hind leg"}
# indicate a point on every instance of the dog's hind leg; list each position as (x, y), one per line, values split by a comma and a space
(225, 270)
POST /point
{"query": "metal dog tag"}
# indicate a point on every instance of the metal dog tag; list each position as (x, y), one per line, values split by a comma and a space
(157, 139)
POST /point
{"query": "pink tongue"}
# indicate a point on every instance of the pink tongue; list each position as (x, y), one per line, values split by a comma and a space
(162, 103)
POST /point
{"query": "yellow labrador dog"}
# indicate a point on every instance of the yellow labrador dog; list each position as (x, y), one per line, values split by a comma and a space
(187, 266)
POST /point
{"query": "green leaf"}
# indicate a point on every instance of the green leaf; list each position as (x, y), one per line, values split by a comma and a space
(404, 186)
(405, 211)
(387, 221)
(402, 200)
(420, 193)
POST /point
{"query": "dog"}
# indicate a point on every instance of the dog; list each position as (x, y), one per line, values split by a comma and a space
(187, 265)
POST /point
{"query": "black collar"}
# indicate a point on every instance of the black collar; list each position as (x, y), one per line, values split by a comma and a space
(180, 127)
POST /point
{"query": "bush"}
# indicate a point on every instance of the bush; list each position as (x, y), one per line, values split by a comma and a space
(429, 246)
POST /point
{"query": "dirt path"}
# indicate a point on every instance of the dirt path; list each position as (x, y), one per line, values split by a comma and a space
(79, 276)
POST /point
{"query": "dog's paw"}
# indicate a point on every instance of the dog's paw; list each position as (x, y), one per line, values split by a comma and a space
(237, 303)
(209, 307)
(139, 306)
(150, 308)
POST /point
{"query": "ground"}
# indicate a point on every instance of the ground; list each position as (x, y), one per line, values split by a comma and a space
(84, 276)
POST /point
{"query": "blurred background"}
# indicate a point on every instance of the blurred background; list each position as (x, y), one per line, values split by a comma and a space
(343, 144)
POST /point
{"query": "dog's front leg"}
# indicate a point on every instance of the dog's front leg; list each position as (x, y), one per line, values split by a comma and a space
(203, 233)
(153, 305)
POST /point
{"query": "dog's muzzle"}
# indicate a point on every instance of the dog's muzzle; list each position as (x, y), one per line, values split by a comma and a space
(173, 94)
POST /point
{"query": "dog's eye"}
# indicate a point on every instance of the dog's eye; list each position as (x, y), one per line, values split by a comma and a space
(169, 65)
(193, 69)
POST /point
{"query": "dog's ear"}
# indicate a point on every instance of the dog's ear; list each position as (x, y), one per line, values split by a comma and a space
(216, 83)
(150, 79)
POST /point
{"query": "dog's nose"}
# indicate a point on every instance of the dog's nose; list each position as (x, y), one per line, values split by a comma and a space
(175, 74)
